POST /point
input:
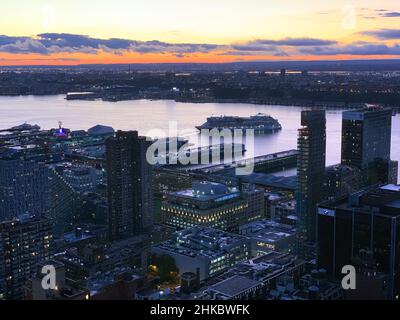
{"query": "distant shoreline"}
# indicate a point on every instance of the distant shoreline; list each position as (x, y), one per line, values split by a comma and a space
(288, 103)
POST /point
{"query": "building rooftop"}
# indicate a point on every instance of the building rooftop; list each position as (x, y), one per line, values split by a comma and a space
(340, 168)
(23, 147)
(100, 280)
(391, 187)
(206, 191)
(78, 235)
(100, 130)
(201, 241)
(267, 230)
(359, 114)
(252, 272)
(385, 198)
(232, 286)
(271, 180)
(394, 204)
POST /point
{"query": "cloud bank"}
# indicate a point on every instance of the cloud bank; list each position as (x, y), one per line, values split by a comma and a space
(56, 43)
(383, 34)
(49, 43)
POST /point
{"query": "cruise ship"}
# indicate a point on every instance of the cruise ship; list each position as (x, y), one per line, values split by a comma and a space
(260, 123)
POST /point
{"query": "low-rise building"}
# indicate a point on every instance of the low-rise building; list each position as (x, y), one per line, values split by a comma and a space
(310, 286)
(82, 263)
(253, 278)
(118, 285)
(234, 288)
(61, 291)
(267, 235)
(205, 251)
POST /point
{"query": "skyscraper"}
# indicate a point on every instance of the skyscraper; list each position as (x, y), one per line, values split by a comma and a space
(366, 135)
(310, 175)
(129, 180)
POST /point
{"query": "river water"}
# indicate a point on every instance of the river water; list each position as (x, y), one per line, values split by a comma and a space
(146, 115)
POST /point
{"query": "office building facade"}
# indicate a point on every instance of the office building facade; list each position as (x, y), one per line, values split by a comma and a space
(366, 136)
(213, 205)
(367, 222)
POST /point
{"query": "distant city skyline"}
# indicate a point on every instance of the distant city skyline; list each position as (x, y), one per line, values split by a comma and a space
(71, 32)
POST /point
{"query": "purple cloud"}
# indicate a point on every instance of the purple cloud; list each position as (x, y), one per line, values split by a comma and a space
(363, 49)
(390, 14)
(383, 34)
(297, 42)
(48, 43)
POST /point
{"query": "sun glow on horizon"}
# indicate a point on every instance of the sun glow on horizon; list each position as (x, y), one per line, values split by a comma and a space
(241, 30)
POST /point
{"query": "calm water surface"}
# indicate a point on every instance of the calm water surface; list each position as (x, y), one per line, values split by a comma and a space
(145, 115)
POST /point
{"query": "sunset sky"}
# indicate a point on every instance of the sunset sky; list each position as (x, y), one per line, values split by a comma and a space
(44, 32)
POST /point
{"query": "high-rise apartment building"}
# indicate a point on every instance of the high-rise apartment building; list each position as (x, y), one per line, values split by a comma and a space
(129, 181)
(24, 242)
(23, 188)
(310, 175)
(63, 202)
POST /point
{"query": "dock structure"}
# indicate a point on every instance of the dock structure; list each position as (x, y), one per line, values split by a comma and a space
(268, 163)
(172, 178)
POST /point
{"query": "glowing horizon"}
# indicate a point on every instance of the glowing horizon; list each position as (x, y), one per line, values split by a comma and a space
(69, 32)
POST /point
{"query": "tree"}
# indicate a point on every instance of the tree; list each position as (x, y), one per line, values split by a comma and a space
(165, 267)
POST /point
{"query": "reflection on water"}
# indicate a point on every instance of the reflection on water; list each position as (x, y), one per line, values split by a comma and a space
(144, 116)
